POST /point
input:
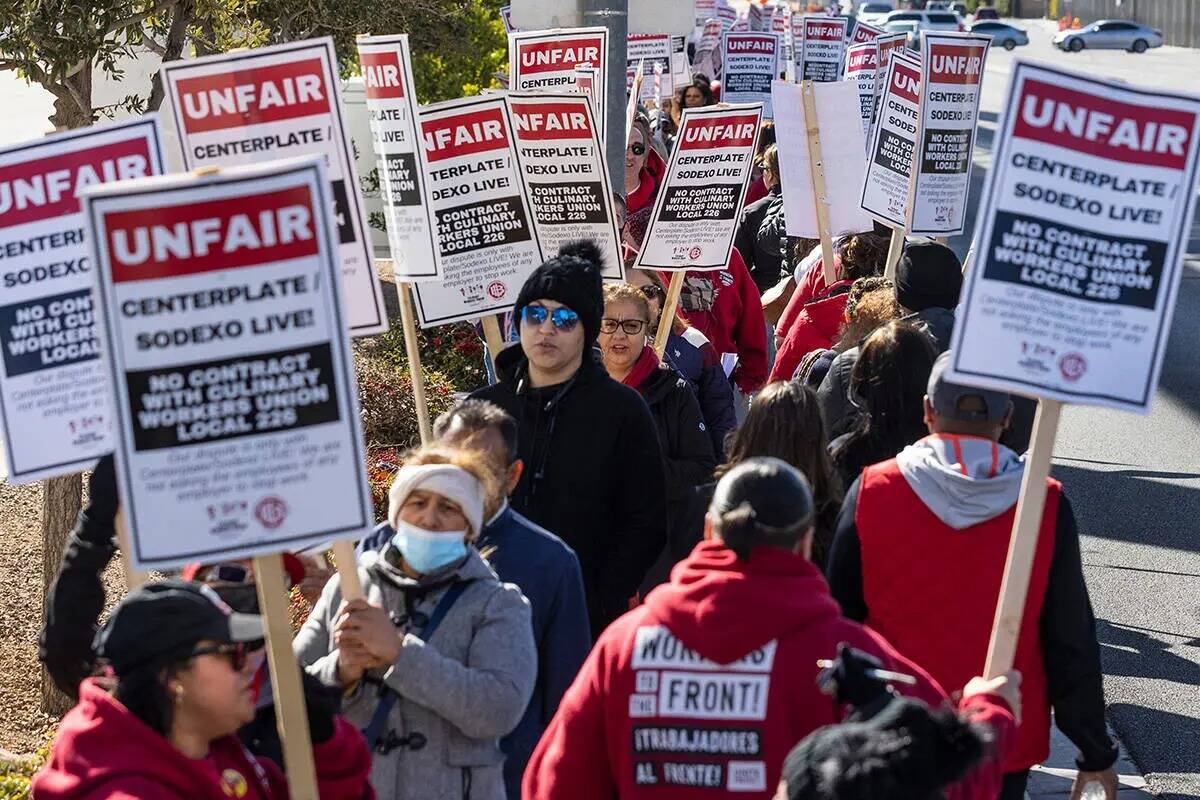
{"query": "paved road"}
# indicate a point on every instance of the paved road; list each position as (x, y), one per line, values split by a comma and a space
(1135, 484)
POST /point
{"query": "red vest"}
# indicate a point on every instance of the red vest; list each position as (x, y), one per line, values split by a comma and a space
(932, 590)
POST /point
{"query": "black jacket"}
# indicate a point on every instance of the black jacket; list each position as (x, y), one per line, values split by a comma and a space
(760, 237)
(1067, 627)
(593, 474)
(687, 456)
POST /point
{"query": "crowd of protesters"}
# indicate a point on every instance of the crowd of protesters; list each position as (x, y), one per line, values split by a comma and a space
(613, 572)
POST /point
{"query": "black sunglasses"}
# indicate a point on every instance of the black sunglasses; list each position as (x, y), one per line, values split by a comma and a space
(652, 292)
(238, 653)
(637, 148)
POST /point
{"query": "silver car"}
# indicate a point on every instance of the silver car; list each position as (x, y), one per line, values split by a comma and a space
(1003, 35)
(1111, 34)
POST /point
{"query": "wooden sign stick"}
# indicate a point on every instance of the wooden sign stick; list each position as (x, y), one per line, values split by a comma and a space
(347, 568)
(895, 249)
(409, 322)
(817, 167)
(491, 332)
(667, 318)
(291, 716)
(1023, 545)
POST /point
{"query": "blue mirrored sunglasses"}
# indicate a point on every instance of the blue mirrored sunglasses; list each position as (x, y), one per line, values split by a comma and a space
(563, 318)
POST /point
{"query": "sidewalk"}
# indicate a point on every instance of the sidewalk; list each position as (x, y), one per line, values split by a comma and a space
(1052, 780)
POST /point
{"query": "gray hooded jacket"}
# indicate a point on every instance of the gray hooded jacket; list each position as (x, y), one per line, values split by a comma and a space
(462, 690)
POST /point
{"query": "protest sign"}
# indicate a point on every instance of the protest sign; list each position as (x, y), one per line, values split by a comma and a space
(392, 106)
(727, 16)
(864, 33)
(707, 58)
(546, 61)
(506, 18)
(631, 104)
(482, 215)
(885, 189)
(276, 102)
(841, 141)
(236, 413)
(585, 84)
(54, 401)
(750, 61)
(704, 10)
(819, 51)
(696, 212)
(887, 43)
(741, 26)
(755, 18)
(656, 50)
(1077, 255)
(952, 72)
(566, 176)
(861, 66)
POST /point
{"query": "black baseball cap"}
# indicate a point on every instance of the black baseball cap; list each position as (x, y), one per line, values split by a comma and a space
(173, 615)
(946, 397)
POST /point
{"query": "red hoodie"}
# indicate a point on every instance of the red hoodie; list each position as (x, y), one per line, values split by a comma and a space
(704, 689)
(104, 752)
(815, 328)
(654, 171)
(726, 307)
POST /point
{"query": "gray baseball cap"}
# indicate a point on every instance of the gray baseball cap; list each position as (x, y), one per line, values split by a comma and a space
(947, 397)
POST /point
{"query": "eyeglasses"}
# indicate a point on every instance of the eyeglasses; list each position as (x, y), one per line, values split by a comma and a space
(237, 653)
(637, 148)
(632, 327)
(563, 318)
(652, 292)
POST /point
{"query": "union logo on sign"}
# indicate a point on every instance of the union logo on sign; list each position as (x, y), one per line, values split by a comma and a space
(694, 253)
(496, 290)
(1073, 366)
(271, 511)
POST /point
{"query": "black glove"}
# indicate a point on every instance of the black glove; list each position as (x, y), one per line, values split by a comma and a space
(847, 680)
(96, 521)
(324, 703)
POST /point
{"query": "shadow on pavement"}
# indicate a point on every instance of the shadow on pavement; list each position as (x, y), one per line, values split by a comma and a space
(1183, 757)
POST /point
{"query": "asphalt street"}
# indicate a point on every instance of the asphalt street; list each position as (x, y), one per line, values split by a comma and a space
(1135, 481)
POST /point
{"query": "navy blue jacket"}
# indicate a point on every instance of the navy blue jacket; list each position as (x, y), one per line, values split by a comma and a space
(694, 357)
(547, 572)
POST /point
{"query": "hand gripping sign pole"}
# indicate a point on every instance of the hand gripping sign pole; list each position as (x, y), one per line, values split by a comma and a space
(818, 181)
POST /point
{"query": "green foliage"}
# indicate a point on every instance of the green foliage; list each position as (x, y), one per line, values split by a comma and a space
(17, 771)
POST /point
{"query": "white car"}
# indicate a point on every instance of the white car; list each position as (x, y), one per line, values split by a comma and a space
(874, 13)
(928, 20)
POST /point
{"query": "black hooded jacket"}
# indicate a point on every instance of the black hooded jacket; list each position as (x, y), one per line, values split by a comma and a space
(593, 473)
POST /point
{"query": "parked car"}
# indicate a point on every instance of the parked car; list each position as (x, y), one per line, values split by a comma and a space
(986, 12)
(960, 9)
(1111, 34)
(875, 12)
(928, 20)
(1003, 34)
(910, 28)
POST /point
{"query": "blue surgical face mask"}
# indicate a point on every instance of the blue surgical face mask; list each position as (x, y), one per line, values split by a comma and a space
(427, 551)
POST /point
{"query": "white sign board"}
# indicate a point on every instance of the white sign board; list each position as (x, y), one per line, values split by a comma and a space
(861, 66)
(952, 71)
(885, 189)
(482, 214)
(392, 107)
(864, 33)
(1078, 253)
(237, 421)
(546, 61)
(887, 43)
(54, 401)
(565, 173)
(842, 148)
(656, 50)
(697, 211)
(819, 52)
(278, 102)
(750, 61)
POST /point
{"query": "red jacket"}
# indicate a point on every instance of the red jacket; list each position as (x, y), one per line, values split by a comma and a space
(104, 752)
(932, 591)
(726, 307)
(810, 285)
(815, 328)
(653, 173)
(705, 688)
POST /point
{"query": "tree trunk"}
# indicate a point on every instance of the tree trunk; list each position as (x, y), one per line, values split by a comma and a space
(62, 498)
(176, 38)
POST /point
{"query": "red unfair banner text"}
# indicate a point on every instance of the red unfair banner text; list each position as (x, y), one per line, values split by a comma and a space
(736, 131)
(41, 189)
(751, 44)
(381, 75)
(956, 64)
(824, 31)
(252, 96)
(864, 59)
(551, 121)
(1104, 128)
(152, 243)
(557, 56)
(906, 82)
(465, 134)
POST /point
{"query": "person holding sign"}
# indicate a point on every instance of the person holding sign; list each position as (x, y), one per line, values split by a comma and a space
(645, 169)
(438, 660)
(183, 688)
(594, 472)
(947, 502)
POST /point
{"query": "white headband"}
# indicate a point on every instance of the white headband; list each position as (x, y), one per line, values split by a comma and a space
(453, 483)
